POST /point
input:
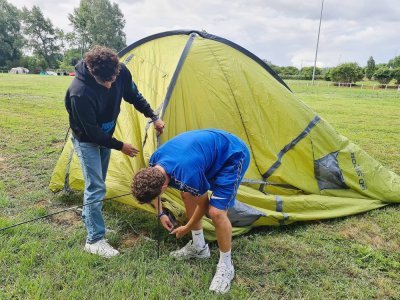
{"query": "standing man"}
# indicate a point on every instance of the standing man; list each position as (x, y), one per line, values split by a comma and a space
(195, 162)
(93, 103)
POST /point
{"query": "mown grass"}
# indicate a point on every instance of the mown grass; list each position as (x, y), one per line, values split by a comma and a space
(350, 258)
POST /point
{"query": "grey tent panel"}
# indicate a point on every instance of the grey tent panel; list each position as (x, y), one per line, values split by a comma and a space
(242, 215)
(328, 173)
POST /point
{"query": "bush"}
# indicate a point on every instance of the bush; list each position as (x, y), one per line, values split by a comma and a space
(307, 72)
(347, 72)
(327, 75)
(396, 75)
(383, 75)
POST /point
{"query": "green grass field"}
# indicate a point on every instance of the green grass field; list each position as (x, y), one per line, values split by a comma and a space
(356, 257)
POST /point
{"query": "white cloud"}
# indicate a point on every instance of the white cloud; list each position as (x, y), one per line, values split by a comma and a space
(284, 32)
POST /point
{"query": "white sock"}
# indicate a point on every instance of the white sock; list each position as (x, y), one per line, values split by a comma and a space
(198, 239)
(225, 258)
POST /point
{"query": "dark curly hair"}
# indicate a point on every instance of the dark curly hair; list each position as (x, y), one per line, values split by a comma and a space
(102, 62)
(147, 184)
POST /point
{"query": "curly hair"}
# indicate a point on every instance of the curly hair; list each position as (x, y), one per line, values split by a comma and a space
(102, 62)
(147, 184)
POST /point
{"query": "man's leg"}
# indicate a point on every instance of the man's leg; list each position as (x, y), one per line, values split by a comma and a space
(222, 199)
(223, 228)
(197, 247)
(91, 163)
(221, 282)
(105, 154)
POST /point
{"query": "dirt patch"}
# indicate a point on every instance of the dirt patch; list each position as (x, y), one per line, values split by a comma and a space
(42, 203)
(129, 240)
(368, 234)
(58, 144)
(68, 218)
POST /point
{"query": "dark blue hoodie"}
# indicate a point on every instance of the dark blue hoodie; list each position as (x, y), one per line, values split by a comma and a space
(93, 109)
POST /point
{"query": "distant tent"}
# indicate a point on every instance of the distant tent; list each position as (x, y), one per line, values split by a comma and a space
(19, 70)
(301, 168)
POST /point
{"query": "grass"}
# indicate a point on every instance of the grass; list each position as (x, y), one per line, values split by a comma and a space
(349, 258)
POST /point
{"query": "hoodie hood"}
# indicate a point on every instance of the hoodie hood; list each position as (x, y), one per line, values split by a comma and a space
(82, 73)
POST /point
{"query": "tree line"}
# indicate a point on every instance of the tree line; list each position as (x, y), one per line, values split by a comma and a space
(346, 72)
(29, 39)
(100, 22)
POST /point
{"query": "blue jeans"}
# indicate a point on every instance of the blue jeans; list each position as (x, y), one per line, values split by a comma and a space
(94, 161)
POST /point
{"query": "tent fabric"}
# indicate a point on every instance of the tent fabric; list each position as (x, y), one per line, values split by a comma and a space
(301, 169)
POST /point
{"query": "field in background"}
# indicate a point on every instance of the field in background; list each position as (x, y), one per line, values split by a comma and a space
(349, 258)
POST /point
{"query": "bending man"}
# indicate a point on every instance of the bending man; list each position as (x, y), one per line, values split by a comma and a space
(195, 162)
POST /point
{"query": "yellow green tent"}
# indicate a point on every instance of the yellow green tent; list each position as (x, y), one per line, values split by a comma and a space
(301, 168)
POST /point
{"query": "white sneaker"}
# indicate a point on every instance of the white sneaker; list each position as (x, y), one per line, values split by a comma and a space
(221, 282)
(101, 248)
(190, 251)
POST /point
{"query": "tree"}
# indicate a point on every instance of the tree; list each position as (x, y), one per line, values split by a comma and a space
(306, 72)
(43, 37)
(33, 63)
(11, 39)
(70, 59)
(327, 74)
(347, 72)
(383, 75)
(394, 62)
(98, 22)
(289, 70)
(370, 69)
(396, 75)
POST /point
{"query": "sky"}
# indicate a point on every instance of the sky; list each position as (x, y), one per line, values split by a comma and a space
(283, 32)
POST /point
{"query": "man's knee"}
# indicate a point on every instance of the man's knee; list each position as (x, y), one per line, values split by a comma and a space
(217, 214)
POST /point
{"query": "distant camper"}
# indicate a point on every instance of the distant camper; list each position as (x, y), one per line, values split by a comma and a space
(19, 70)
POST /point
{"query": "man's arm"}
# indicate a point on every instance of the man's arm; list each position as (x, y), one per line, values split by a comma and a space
(165, 221)
(201, 209)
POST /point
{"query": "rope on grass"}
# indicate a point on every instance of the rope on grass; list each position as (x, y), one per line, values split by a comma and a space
(58, 212)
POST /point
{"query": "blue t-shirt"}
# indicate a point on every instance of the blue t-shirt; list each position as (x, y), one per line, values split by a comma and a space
(194, 158)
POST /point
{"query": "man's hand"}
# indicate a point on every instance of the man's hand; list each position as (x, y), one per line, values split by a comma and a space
(159, 125)
(180, 231)
(129, 150)
(166, 223)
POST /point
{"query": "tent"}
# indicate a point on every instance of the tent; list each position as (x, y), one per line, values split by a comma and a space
(18, 70)
(301, 168)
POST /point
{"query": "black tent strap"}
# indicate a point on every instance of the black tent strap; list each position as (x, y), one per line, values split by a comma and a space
(279, 208)
(290, 146)
(157, 112)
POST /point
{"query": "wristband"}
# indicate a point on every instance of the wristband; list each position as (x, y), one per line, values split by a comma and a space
(154, 118)
(162, 214)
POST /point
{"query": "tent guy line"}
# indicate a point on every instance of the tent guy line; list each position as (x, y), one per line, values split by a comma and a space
(60, 211)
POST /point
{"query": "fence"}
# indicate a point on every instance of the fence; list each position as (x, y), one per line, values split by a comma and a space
(376, 86)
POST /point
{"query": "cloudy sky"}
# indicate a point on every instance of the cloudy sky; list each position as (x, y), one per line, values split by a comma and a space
(283, 32)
